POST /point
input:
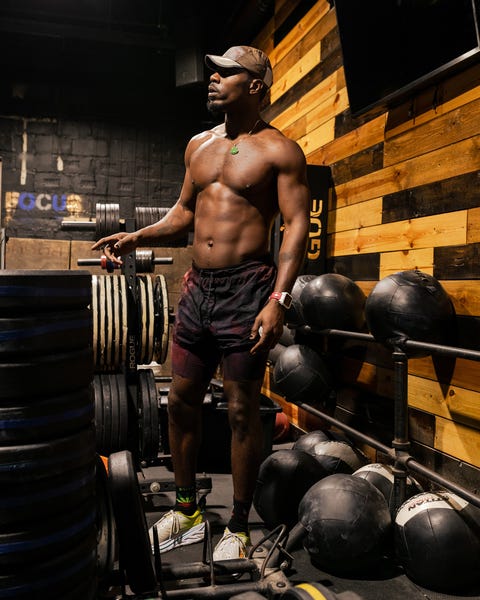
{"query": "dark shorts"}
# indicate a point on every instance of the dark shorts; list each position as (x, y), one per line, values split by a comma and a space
(214, 318)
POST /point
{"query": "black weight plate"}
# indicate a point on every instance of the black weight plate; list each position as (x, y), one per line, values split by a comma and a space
(46, 375)
(100, 228)
(31, 501)
(26, 420)
(31, 462)
(45, 332)
(44, 290)
(119, 412)
(149, 420)
(44, 538)
(162, 325)
(55, 578)
(99, 420)
(123, 411)
(145, 320)
(107, 412)
(120, 319)
(134, 543)
(106, 532)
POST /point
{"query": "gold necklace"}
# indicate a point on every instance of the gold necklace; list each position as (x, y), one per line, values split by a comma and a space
(234, 149)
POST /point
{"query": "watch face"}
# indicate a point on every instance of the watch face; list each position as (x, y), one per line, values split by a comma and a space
(287, 301)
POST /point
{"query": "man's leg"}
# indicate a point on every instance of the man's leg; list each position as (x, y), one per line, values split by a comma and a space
(247, 436)
(184, 427)
(184, 524)
(246, 455)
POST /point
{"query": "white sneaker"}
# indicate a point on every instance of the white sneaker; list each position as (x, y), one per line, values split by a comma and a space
(232, 545)
(176, 529)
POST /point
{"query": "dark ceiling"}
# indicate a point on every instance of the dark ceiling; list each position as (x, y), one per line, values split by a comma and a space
(116, 57)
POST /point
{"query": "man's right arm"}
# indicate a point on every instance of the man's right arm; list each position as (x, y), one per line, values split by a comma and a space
(173, 225)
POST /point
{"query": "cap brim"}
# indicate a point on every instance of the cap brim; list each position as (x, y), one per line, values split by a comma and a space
(213, 62)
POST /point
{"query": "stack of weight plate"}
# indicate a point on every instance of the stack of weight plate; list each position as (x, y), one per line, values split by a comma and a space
(48, 514)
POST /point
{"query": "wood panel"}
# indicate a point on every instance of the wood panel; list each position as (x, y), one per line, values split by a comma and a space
(457, 440)
(455, 193)
(306, 103)
(436, 100)
(330, 63)
(313, 37)
(322, 134)
(356, 216)
(358, 165)
(448, 401)
(368, 135)
(448, 229)
(465, 295)
(450, 161)
(449, 128)
(358, 267)
(447, 370)
(457, 262)
(303, 66)
(404, 260)
(25, 253)
(300, 30)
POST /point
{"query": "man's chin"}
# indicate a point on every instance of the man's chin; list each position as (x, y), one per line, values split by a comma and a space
(214, 109)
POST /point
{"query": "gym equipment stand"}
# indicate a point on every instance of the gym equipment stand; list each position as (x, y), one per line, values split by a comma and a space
(399, 451)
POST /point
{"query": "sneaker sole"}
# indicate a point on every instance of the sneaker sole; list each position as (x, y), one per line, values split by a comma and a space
(191, 536)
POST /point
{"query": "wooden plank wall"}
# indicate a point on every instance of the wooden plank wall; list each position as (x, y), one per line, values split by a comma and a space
(406, 195)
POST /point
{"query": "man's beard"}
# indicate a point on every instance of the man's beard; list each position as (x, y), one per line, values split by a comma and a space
(216, 113)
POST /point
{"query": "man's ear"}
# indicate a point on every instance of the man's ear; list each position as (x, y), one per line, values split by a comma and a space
(256, 86)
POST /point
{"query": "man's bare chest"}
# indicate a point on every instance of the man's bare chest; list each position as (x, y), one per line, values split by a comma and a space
(241, 166)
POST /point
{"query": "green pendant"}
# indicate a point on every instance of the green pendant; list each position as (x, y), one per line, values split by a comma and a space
(234, 149)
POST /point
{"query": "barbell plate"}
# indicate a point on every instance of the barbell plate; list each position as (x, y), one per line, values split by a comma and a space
(59, 578)
(162, 325)
(123, 314)
(146, 319)
(41, 419)
(123, 411)
(31, 501)
(149, 417)
(44, 290)
(30, 462)
(34, 333)
(106, 533)
(134, 544)
(41, 539)
(46, 374)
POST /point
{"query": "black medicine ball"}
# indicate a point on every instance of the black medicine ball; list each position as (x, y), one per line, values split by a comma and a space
(437, 541)
(301, 374)
(294, 315)
(283, 479)
(333, 301)
(409, 304)
(348, 524)
(382, 477)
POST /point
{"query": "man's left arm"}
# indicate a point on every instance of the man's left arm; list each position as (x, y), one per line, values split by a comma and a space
(294, 205)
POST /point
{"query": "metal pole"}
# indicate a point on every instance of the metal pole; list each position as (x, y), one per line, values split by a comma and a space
(400, 442)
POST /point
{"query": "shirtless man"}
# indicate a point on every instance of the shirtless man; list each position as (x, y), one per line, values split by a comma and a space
(238, 176)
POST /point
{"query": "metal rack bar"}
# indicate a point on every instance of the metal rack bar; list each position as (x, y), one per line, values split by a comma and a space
(399, 452)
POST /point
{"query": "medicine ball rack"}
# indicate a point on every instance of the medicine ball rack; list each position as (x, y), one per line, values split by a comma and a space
(403, 461)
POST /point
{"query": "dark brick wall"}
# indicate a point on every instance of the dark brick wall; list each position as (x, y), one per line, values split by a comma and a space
(56, 169)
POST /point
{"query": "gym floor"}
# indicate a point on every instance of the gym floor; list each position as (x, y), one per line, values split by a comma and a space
(388, 584)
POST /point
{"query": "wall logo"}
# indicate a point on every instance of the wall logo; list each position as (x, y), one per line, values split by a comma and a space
(29, 203)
